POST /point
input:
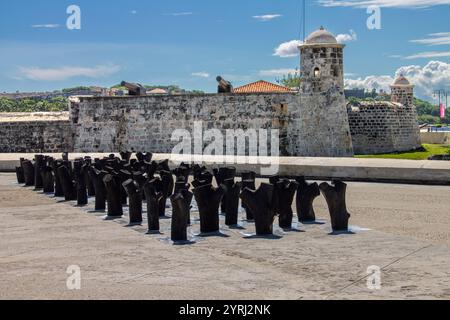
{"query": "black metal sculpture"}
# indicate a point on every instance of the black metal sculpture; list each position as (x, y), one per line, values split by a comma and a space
(68, 185)
(20, 175)
(155, 201)
(232, 192)
(286, 191)
(182, 172)
(167, 183)
(221, 175)
(124, 175)
(335, 195)
(87, 180)
(79, 175)
(203, 179)
(197, 170)
(150, 169)
(96, 177)
(112, 185)
(144, 156)
(135, 194)
(48, 181)
(306, 194)
(248, 175)
(55, 164)
(180, 214)
(248, 184)
(28, 172)
(163, 165)
(208, 199)
(139, 177)
(126, 155)
(260, 203)
(39, 162)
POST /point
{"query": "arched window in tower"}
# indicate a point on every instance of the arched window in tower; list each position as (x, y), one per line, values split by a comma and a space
(316, 73)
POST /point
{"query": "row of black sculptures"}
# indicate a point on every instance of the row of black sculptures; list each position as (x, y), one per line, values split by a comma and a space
(117, 181)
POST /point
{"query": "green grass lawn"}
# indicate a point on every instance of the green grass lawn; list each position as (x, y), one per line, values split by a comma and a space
(431, 150)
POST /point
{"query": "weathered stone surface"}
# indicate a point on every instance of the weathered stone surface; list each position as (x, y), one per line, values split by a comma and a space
(319, 119)
(106, 124)
(35, 136)
(384, 127)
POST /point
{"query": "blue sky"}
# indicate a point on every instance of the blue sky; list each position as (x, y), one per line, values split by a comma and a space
(189, 42)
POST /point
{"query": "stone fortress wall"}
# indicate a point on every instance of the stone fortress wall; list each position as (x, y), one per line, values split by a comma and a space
(35, 132)
(106, 124)
(383, 127)
(386, 127)
(313, 123)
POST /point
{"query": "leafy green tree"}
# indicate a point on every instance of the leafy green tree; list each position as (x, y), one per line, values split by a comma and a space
(59, 103)
(291, 80)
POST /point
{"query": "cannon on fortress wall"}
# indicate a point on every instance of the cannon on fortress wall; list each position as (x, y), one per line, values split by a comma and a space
(224, 86)
(134, 89)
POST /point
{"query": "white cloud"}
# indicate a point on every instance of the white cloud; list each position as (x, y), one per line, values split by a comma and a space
(133, 12)
(435, 74)
(436, 39)
(383, 3)
(276, 72)
(427, 55)
(64, 73)
(440, 34)
(47, 26)
(201, 74)
(267, 17)
(288, 49)
(180, 14)
(352, 36)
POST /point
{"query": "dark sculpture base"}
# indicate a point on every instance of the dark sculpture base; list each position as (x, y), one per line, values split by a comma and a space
(112, 185)
(232, 191)
(248, 184)
(68, 187)
(180, 215)
(306, 194)
(286, 192)
(134, 193)
(20, 176)
(335, 195)
(154, 200)
(96, 176)
(48, 180)
(260, 203)
(28, 172)
(208, 200)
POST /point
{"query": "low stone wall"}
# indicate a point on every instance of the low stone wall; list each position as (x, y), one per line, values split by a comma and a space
(435, 137)
(112, 124)
(383, 127)
(108, 124)
(21, 132)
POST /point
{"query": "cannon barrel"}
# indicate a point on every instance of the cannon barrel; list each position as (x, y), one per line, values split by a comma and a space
(134, 89)
(224, 86)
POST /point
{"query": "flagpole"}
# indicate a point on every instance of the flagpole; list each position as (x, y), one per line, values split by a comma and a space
(304, 20)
